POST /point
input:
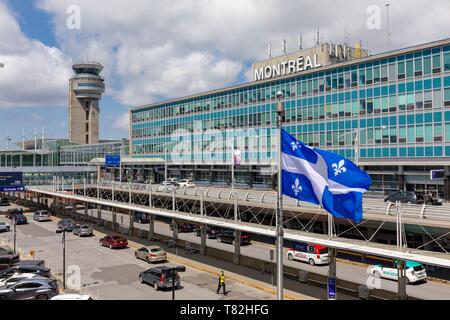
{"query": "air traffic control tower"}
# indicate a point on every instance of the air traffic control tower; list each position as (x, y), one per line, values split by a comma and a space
(85, 91)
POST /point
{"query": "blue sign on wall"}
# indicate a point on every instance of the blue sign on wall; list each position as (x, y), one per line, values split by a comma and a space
(11, 181)
(112, 160)
(331, 288)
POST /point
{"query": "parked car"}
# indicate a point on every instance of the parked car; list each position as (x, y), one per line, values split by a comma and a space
(113, 242)
(4, 202)
(311, 253)
(141, 217)
(159, 278)
(7, 258)
(227, 236)
(184, 227)
(42, 216)
(415, 272)
(170, 182)
(404, 197)
(42, 271)
(66, 224)
(39, 263)
(151, 254)
(83, 230)
(30, 289)
(72, 296)
(21, 219)
(185, 183)
(12, 212)
(211, 232)
(4, 227)
(17, 278)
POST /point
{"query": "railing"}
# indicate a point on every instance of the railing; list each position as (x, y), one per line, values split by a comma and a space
(255, 198)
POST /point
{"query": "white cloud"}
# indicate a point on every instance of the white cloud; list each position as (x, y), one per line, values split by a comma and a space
(155, 50)
(34, 74)
(122, 121)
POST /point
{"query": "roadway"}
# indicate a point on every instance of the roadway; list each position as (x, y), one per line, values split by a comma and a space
(345, 270)
(113, 274)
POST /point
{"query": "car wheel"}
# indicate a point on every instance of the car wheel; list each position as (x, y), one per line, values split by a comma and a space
(141, 279)
(42, 297)
(7, 229)
(219, 240)
(290, 257)
(155, 286)
(110, 246)
(408, 281)
(312, 262)
(100, 243)
(136, 255)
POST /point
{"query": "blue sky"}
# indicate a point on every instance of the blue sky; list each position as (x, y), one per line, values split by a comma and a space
(157, 50)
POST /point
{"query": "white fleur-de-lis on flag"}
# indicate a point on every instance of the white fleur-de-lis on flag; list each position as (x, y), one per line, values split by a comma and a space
(297, 188)
(295, 145)
(339, 168)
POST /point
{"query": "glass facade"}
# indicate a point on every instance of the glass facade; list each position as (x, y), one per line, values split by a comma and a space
(398, 105)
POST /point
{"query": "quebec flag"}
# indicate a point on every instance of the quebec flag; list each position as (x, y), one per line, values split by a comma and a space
(322, 178)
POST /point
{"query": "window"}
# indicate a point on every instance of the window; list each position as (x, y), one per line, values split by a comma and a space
(411, 134)
(447, 97)
(418, 67)
(392, 73)
(447, 61)
(401, 70)
(437, 98)
(436, 63)
(409, 69)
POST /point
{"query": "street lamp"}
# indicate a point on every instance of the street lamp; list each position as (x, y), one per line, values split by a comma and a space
(279, 214)
(173, 274)
(63, 231)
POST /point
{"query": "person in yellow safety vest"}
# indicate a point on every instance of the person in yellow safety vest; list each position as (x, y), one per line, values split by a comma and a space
(222, 283)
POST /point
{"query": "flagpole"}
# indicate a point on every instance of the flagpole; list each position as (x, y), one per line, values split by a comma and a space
(279, 213)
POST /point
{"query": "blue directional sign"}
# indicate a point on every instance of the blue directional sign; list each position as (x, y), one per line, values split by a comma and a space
(331, 288)
(11, 181)
(112, 160)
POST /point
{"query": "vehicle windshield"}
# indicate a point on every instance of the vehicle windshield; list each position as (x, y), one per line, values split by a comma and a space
(156, 250)
(323, 251)
(418, 268)
(84, 227)
(116, 238)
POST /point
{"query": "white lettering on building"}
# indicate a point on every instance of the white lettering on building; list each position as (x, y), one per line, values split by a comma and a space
(287, 67)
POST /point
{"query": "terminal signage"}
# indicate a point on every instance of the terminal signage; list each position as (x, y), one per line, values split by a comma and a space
(11, 181)
(437, 175)
(112, 160)
(300, 64)
(331, 288)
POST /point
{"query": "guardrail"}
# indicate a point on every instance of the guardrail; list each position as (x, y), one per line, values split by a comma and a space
(372, 206)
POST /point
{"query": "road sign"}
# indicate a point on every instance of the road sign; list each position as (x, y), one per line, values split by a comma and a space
(11, 181)
(331, 288)
(437, 175)
(112, 160)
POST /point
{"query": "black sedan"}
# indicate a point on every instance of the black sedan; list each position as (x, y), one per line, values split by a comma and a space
(211, 232)
(404, 197)
(227, 236)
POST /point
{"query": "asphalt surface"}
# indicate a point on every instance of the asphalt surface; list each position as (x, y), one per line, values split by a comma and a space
(113, 274)
(350, 272)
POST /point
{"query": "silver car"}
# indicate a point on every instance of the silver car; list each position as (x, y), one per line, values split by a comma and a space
(83, 230)
(151, 254)
(4, 227)
(42, 216)
(30, 289)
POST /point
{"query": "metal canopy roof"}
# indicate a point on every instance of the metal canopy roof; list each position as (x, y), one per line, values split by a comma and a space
(387, 251)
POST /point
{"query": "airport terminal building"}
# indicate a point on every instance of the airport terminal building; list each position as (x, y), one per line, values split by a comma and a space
(389, 112)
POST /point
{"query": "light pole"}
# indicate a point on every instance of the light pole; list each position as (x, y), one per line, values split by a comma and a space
(15, 233)
(63, 231)
(279, 214)
(173, 274)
